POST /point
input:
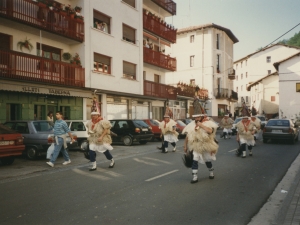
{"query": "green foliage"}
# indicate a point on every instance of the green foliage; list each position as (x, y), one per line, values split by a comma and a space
(295, 40)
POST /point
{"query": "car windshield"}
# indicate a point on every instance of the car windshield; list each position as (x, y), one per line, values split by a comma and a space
(180, 123)
(140, 123)
(154, 123)
(6, 130)
(280, 123)
(237, 120)
(42, 126)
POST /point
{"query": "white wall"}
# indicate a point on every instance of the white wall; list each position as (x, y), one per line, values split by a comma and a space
(113, 46)
(289, 99)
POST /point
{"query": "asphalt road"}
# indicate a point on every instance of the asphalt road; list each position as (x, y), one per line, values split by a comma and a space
(145, 187)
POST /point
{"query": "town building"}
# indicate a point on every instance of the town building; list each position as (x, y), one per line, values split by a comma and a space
(204, 55)
(254, 67)
(37, 74)
(289, 87)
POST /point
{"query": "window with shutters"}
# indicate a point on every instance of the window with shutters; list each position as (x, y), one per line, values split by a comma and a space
(156, 78)
(5, 41)
(272, 98)
(130, 2)
(128, 34)
(102, 63)
(51, 53)
(102, 22)
(129, 70)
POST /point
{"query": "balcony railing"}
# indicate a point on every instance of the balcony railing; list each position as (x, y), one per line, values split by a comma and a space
(231, 74)
(189, 91)
(167, 5)
(25, 67)
(159, 90)
(155, 25)
(224, 93)
(158, 59)
(42, 17)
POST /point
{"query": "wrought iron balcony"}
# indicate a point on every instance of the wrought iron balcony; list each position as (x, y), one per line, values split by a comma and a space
(159, 90)
(157, 26)
(158, 59)
(39, 15)
(167, 5)
(234, 96)
(222, 93)
(231, 74)
(25, 67)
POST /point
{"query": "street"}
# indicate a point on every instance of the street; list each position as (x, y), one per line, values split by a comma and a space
(144, 187)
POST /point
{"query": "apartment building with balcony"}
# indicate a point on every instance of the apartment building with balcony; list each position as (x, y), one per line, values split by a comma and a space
(35, 75)
(253, 68)
(204, 56)
(157, 35)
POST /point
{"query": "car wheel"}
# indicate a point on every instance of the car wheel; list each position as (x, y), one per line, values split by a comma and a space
(127, 140)
(265, 140)
(7, 160)
(31, 153)
(143, 142)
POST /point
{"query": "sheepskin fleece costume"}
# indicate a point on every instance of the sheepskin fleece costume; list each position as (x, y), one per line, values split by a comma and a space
(199, 140)
(95, 133)
(245, 135)
(226, 123)
(256, 123)
(168, 128)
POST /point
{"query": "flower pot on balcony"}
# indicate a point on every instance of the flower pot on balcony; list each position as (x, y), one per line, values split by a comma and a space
(72, 16)
(42, 5)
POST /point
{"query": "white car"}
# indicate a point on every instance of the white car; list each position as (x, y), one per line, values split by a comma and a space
(79, 128)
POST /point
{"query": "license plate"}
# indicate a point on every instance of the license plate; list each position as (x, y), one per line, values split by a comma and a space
(276, 131)
(144, 129)
(4, 142)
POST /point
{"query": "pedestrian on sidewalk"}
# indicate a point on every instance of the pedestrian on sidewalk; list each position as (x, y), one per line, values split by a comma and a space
(200, 140)
(168, 132)
(226, 123)
(245, 132)
(99, 138)
(60, 135)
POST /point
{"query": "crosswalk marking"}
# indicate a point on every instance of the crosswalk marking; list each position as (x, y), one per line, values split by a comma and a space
(93, 174)
(232, 150)
(142, 161)
(162, 175)
(109, 172)
(157, 160)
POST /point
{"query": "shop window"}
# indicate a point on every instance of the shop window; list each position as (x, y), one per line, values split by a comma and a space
(13, 112)
(221, 110)
(297, 87)
(129, 70)
(102, 22)
(130, 2)
(66, 112)
(128, 34)
(102, 63)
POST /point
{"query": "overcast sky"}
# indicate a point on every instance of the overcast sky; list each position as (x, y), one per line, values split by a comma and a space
(256, 23)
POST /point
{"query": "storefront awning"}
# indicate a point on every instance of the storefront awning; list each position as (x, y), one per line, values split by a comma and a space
(44, 90)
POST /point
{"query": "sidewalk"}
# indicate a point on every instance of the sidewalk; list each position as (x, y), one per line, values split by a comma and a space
(283, 206)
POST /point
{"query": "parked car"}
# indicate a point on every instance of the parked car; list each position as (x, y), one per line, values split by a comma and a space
(11, 145)
(234, 130)
(280, 129)
(179, 128)
(155, 127)
(186, 121)
(130, 131)
(263, 121)
(37, 136)
(79, 128)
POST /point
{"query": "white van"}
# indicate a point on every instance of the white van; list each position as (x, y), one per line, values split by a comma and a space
(79, 128)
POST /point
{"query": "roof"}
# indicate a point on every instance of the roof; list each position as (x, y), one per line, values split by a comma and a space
(209, 25)
(256, 82)
(276, 65)
(271, 46)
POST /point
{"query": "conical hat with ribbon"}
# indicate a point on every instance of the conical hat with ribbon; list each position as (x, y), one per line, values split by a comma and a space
(95, 109)
(168, 113)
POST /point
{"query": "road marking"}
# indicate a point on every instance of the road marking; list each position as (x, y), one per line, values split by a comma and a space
(142, 161)
(109, 172)
(162, 175)
(89, 174)
(233, 150)
(157, 160)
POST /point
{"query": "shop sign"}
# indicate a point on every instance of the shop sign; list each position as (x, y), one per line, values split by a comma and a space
(31, 89)
(59, 92)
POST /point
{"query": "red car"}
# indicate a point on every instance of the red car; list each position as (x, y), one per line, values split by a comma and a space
(155, 127)
(11, 145)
